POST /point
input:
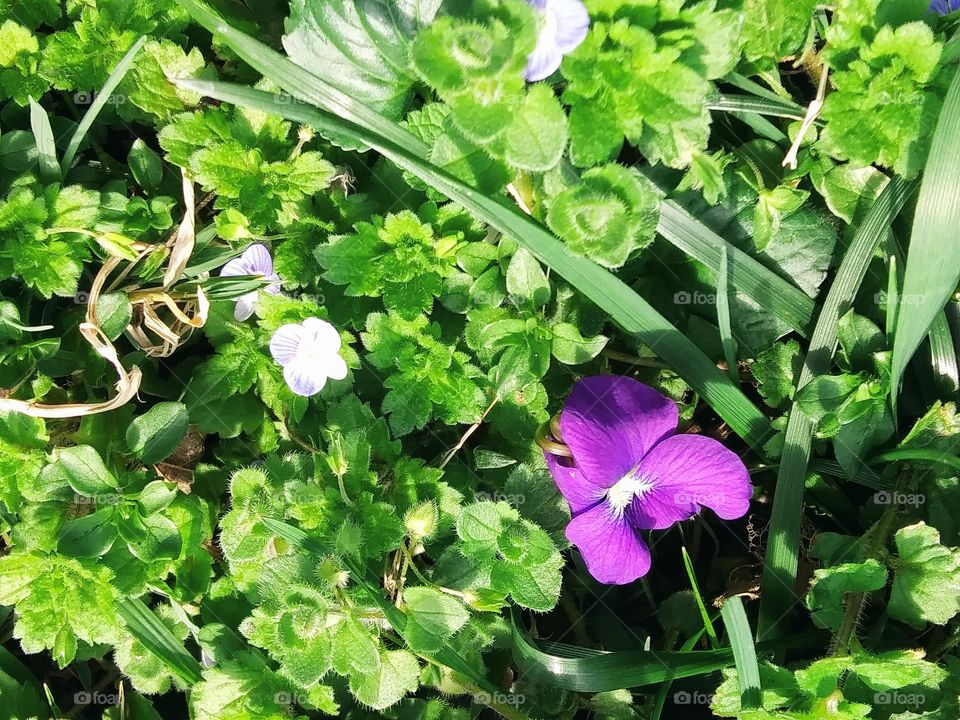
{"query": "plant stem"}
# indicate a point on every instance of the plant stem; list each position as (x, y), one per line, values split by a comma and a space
(854, 601)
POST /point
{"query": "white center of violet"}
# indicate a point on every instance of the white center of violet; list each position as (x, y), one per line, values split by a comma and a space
(624, 491)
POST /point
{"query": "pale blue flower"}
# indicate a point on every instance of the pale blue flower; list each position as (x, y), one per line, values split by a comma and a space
(563, 26)
(944, 7)
(309, 353)
(255, 260)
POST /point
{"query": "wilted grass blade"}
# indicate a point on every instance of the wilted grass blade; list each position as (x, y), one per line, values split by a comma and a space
(933, 258)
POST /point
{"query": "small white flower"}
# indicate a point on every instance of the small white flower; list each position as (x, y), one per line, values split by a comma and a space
(255, 260)
(309, 353)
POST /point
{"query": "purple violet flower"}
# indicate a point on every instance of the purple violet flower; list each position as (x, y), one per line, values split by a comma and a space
(309, 353)
(944, 7)
(563, 26)
(631, 472)
(255, 260)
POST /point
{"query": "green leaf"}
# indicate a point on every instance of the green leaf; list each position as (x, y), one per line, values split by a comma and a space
(84, 471)
(355, 651)
(626, 308)
(114, 313)
(933, 260)
(46, 146)
(830, 585)
(609, 215)
(926, 579)
(145, 165)
(157, 638)
(526, 281)
(776, 370)
(357, 46)
(89, 536)
(432, 617)
(397, 675)
(538, 135)
(154, 435)
(571, 348)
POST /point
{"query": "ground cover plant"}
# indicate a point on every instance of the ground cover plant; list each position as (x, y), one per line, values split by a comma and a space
(426, 359)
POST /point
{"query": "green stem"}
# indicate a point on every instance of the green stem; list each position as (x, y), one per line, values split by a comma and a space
(916, 454)
(854, 602)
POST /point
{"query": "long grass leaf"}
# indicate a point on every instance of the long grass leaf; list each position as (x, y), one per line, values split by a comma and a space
(933, 259)
(723, 318)
(158, 639)
(777, 587)
(756, 105)
(943, 355)
(605, 671)
(624, 306)
(745, 274)
(119, 72)
(744, 653)
(701, 606)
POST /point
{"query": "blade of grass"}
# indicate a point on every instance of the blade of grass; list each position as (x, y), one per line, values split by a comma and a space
(624, 306)
(745, 274)
(777, 587)
(893, 298)
(695, 587)
(605, 671)
(943, 355)
(744, 653)
(726, 102)
(932, 269)
(101, 101)
(723, 318)
(158, 639)
(46, 145)
(916, 454)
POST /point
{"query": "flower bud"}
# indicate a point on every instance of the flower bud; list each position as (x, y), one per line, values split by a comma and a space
(421, 521)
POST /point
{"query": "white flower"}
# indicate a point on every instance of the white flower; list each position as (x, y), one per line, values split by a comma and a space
(309, 353)
(255, 260)
(563, 26)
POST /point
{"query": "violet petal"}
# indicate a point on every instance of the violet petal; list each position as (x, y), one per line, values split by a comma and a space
(578, 492)
(612, 550)
(610, 422)
(689, 472)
